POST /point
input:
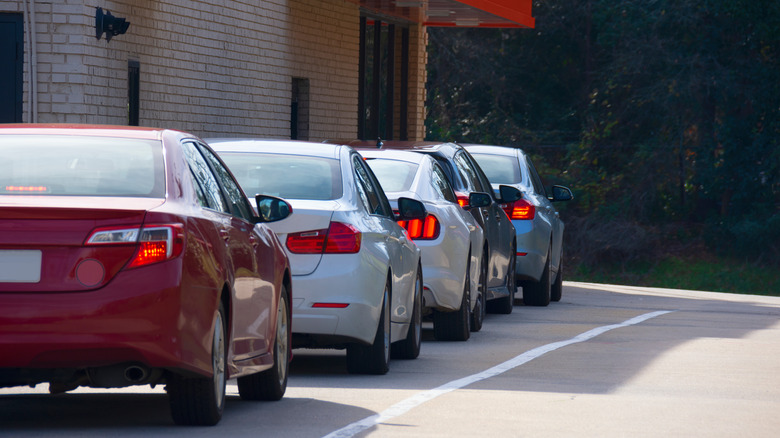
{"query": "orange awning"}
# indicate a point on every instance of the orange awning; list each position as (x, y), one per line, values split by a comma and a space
(461, 13)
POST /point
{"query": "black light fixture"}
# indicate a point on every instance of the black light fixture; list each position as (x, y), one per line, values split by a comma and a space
(109, 24)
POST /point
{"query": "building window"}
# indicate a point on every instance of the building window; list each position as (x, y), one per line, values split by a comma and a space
(299, 109)
(133, 92)
(382, 105)
(11, 67)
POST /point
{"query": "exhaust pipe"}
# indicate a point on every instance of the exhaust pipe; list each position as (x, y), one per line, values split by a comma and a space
(136, 374)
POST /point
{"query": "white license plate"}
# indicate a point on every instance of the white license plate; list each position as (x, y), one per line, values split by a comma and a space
(20, 266)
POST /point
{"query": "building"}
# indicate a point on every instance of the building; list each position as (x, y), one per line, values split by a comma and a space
(305, 69)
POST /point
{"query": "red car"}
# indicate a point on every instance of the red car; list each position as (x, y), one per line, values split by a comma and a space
(130, 256)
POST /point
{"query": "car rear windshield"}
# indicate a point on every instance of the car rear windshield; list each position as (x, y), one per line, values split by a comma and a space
(393, 175)
(286, 176)
(81, 166)
(500, 169)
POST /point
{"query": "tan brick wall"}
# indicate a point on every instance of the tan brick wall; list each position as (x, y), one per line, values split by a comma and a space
(211, 67)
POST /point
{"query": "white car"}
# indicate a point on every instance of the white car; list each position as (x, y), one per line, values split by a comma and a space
(449, 237)
(538, 226)
(356, 275)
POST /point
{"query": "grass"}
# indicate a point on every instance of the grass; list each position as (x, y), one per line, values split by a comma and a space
(707, 274)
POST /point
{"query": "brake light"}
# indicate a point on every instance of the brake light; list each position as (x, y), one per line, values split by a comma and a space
(27, 189)
(422, 229)
(463, 200)
(520, 210)
(337, 239)
(156, 243)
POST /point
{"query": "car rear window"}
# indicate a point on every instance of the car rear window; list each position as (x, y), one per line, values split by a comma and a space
(81, 166)
(286, 176)
(393, 175)
(500, 169)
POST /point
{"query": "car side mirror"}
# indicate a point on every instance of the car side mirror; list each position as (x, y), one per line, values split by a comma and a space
(271, 208)
(410, 209)
(561, 193)
(479, 199)
(509, 194)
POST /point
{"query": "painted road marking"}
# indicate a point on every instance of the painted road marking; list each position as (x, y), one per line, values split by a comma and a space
(410, 403)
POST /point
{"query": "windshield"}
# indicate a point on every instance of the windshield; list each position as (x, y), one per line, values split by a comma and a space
(500, 169)
(81, 166)
(286, 176)
(393, 175)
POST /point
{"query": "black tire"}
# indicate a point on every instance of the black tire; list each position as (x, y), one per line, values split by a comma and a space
(271, 384)
(409, 348)
(506, 304)
(199, 401)
(537, 293)
(556, 290)
(480, 308)
(454, 326)
(374, 358)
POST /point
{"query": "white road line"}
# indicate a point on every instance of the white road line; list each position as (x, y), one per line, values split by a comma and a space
(410, 403)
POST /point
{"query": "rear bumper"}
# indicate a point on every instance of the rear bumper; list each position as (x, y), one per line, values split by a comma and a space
(534, 247)
(139, 317)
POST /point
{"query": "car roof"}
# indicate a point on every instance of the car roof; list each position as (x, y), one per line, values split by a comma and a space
(400, 155)
(275, 146)
(83, 129)
(423, 146)
(492, 149)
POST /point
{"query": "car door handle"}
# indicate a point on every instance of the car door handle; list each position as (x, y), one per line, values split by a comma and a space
(225, 235)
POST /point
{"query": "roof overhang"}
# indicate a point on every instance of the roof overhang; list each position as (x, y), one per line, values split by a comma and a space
(456, 13)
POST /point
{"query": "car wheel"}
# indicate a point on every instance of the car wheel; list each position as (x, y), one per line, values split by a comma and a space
(454, 326)
(556, 290)
(478, 315)
(271, 384)
(538, 293)
(199, 401)
(374, 358)
(409, 348)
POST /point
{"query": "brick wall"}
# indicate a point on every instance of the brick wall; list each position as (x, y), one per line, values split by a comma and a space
(214, 68)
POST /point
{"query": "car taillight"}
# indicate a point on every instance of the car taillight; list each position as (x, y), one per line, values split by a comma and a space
(337, 239)
(520, 210)
(156, 243)
(463, 199)
(422, 229)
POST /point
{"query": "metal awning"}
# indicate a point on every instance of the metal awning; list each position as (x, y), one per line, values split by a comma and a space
(461, 13)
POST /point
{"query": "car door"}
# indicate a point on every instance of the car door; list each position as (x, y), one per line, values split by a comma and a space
(401, 251)
(546, 210)
(253, 298)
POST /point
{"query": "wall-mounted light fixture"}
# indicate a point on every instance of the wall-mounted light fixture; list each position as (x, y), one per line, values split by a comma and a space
(108, 24)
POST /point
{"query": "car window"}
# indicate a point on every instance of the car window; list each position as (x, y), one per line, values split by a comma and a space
(441, 185)
(393, 175)
(72, 165)
(240, 206)
(286, 176)
(483, 180)
(499, 169)
(370, 192)
(202, 174)
(535, 180)
(466, 169)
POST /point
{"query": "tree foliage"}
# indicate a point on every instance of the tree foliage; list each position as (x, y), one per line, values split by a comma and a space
(669, 110)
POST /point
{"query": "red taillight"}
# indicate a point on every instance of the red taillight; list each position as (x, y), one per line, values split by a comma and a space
(330, 305)
(156, 243)
(337, 239)
(463, 199)
(422, 229)
(520, 210)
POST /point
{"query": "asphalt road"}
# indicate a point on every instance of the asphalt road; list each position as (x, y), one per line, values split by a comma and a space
(606, 361)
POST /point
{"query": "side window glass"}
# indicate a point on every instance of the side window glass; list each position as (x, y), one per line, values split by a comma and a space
(441, 185)
(370, 190)
(537, 182)
(466, 170)
(203, 200)
(236, 196)
(208, 183)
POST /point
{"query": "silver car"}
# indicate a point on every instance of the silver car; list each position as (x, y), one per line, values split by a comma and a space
(356, 274)
(450, 239)
(538, 226)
